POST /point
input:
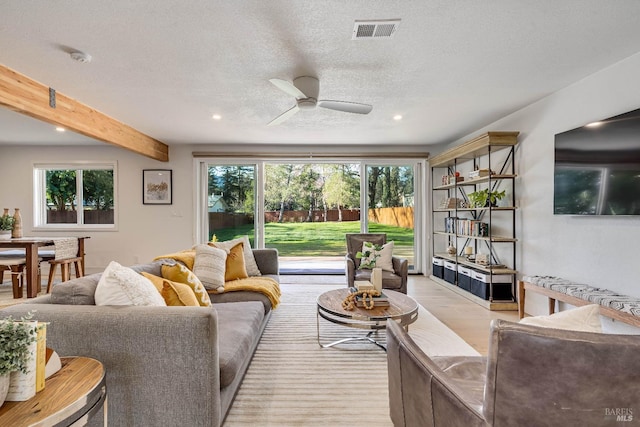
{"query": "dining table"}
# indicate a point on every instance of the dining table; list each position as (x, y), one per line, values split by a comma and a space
(30, 246)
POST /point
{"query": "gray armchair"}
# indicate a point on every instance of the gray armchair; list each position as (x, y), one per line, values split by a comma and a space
(395, 280)
(532, 376)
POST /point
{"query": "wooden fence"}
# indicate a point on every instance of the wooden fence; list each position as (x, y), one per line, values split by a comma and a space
(399, 217)
(71, 217)
(318, 215)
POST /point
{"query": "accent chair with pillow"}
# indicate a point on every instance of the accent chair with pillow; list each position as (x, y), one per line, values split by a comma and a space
(395, 270)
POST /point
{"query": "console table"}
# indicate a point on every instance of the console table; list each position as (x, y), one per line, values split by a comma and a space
(71, 396)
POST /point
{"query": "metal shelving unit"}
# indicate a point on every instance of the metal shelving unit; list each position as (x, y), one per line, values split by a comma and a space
(478, 153)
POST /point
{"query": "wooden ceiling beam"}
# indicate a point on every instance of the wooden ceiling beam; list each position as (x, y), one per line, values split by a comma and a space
(27, 96)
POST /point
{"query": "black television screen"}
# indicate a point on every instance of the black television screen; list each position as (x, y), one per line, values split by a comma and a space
(597, 168)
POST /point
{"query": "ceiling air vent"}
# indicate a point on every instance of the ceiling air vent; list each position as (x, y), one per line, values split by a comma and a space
(375, 29)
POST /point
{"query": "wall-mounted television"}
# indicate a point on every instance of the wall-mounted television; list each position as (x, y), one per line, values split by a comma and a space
(597, 168)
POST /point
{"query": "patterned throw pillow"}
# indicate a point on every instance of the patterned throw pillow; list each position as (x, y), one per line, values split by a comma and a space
(209, 266)
(373, 256)
(249, 259)
(120, 285)
(234, 264)
(174, 293)
(181, 274)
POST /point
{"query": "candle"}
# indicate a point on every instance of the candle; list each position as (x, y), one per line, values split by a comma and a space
(468, 250)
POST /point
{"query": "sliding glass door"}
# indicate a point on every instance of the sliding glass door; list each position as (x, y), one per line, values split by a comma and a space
(308, 208)
(390, 198)
(231, 201)
(304, 209)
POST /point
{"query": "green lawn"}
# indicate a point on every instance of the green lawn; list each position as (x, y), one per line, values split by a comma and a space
(317, 238)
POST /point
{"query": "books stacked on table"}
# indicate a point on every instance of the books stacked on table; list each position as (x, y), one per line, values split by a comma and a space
(379, 301)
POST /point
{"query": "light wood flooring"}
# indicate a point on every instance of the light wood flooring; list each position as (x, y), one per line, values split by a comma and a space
(464, 317)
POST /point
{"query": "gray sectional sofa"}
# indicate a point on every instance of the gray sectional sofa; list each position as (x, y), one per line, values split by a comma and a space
(165, 366)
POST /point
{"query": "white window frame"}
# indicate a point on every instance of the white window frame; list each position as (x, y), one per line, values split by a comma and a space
(40, 195)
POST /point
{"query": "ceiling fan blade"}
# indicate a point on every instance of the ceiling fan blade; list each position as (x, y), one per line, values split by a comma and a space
(347, 107)
(284, 116)
(288, 87)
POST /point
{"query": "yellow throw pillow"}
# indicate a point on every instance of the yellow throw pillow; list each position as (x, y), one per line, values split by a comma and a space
(234, 265)
(174, 293)
(180, 273)
(179, 294)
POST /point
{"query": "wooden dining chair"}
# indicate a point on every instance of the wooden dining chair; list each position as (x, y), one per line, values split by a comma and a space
(16, 267)
(60, 257)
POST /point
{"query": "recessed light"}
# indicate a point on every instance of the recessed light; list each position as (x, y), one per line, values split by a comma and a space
(216, 117)
(60, 129)
(594, 124)
(397, 117)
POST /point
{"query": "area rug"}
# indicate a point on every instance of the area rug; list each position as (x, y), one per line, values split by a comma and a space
(294, 382)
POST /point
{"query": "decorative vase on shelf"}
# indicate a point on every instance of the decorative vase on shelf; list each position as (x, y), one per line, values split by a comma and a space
(17, 224)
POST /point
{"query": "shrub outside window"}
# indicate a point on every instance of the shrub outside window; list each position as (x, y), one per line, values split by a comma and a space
(74, 195)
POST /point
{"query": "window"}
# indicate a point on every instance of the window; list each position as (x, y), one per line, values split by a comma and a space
(75, 195)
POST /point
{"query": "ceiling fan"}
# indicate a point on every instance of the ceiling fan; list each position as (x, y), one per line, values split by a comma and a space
(305, 89)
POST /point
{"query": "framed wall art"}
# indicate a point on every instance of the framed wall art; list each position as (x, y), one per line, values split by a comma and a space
(157, 187)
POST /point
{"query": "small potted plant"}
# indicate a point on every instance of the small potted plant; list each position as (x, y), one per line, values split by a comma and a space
(16, 338)
(6, 225)
(485, 198)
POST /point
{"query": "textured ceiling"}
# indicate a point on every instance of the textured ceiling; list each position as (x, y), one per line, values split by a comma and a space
(166, 66)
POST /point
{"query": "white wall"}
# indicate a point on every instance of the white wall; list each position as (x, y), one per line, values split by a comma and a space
(144, 231)
(600, 251)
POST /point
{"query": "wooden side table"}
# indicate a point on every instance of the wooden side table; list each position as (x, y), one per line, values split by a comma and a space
(70, 397)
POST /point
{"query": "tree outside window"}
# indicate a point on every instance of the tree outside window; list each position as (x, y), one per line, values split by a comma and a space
(80, 196)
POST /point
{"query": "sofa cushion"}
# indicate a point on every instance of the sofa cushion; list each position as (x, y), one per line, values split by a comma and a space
(180, 273)
(467, 375)
(374, 255)
(585, 318)
(81, 291)
(174, 293)
(234, 264)
(239, 325)
(122, 286)
(209, 266)
(249, 259)
(242, 296)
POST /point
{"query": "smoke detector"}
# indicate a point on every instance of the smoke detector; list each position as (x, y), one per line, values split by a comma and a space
(81, 57)
(383, 28)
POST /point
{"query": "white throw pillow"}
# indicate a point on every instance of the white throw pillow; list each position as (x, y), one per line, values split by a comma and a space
(585, 318)
(249, 260)
(209, 266)
(374, 258)
(120, 285)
